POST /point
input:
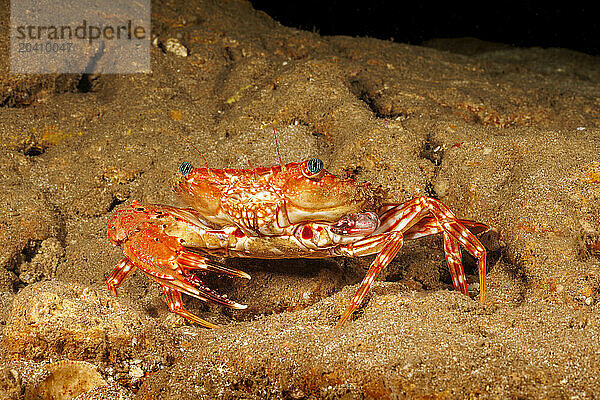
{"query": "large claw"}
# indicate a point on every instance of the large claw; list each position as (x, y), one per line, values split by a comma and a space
(140, 231)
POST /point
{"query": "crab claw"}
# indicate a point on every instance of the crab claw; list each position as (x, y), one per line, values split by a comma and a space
(189, 283)
(190, 260)
(140, 231)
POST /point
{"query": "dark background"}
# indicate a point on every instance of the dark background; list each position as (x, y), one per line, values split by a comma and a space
(572, 25)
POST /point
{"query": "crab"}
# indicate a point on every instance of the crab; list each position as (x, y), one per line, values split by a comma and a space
(296, 210)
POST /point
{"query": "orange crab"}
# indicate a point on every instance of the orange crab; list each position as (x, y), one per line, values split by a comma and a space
(285, 211)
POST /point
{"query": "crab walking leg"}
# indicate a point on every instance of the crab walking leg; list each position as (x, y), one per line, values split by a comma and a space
(170, 275)
(163, 259)
(119, 274)
(454, 260)
(460, 233)
(416, 218)
(426, 226)
(173, 298)
(174, 284)
(388, 241)
(392, 245)
(429, 226)
(399, 218)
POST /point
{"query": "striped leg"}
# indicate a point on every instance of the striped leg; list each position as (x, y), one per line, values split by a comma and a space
(436, 217)
(429, 226)
(456, 233)
(190, 261)
(454, 260)
(392, 243)
(386, 241)
(417, 218)
(119, 274)
(166, 261)
(173, 298)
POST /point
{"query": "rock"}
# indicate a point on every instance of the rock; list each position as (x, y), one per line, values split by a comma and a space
(136, 372)
(503, 135)
(175, 47)
(392, 348)
(60, 380)
(10, 384)
(6, 299)
(26, 218)
(108, 392)
(44, 262)
(57, 320)
(64, 380)
(8, 280)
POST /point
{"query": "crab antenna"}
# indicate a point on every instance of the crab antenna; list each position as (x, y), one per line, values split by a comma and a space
(199, 152)
(253, 170)
(277, 148)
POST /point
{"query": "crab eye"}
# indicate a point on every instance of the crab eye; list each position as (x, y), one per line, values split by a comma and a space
(185, 168)
(314, 166)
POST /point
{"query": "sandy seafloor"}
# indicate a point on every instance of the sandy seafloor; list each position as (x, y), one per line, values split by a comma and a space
(506, 136)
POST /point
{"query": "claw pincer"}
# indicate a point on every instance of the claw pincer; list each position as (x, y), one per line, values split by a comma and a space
(140, 231)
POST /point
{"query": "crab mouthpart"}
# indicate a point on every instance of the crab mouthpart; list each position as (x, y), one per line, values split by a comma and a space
(357, 224)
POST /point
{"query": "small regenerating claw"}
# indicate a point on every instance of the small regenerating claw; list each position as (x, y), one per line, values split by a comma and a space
(362, 224)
